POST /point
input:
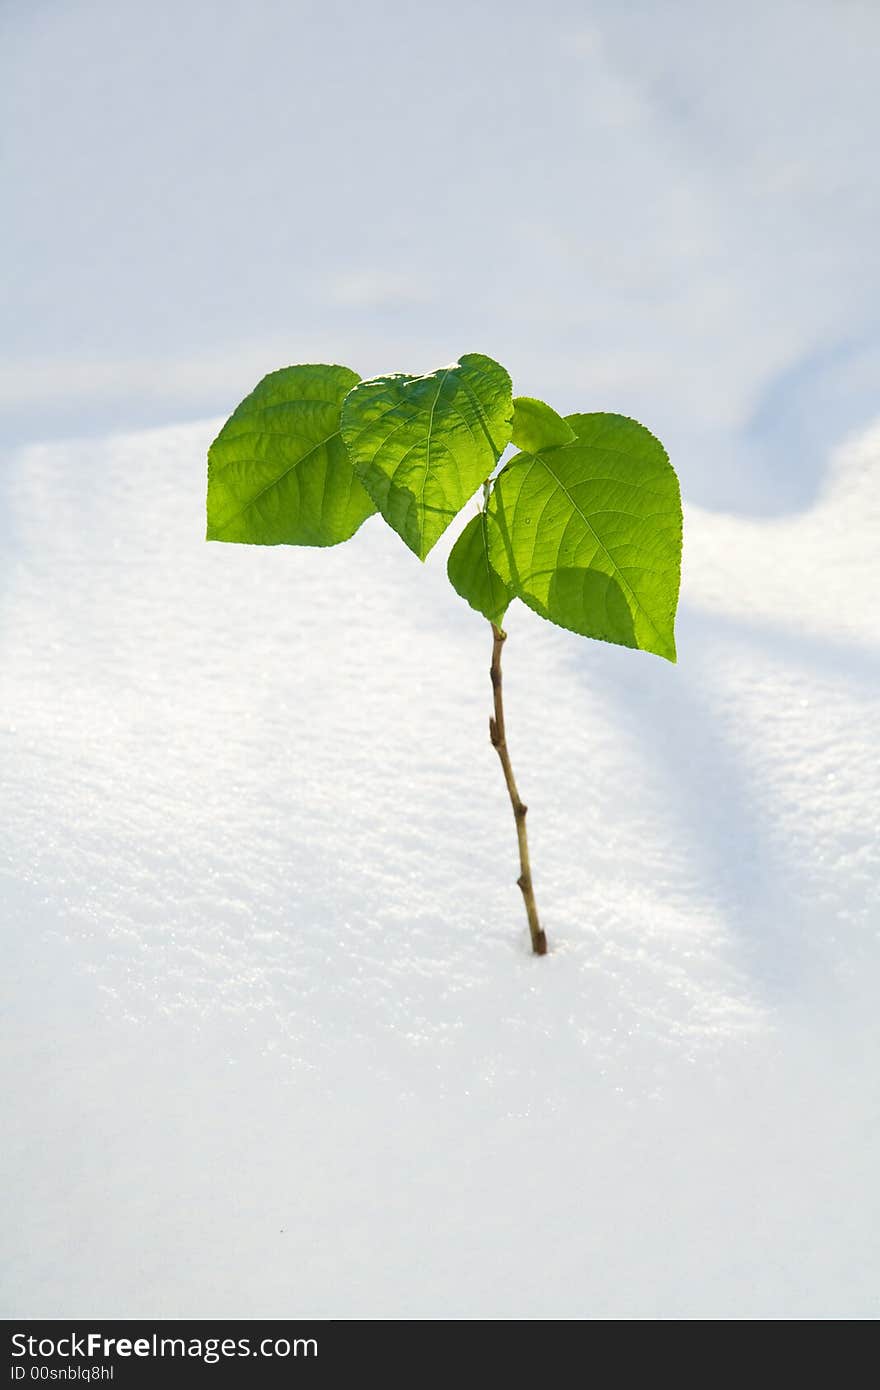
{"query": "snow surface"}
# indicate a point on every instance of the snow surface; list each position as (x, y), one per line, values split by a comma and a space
(278, 1046)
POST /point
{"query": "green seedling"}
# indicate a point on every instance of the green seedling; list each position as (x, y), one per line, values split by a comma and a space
(583, 524)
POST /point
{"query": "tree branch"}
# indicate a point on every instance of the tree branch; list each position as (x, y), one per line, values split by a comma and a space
(499, 743)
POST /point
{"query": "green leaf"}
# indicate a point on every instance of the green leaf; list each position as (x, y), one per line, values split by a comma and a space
(537, 426)
(278, 471)
(422, 445)
(472, 574)
(589, 534)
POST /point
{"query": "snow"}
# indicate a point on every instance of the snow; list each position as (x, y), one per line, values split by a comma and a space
(278, 1047)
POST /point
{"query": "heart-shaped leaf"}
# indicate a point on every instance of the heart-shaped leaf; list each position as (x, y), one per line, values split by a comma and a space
(421, 445)
(278, 471)
(472, 573)
(589, 533)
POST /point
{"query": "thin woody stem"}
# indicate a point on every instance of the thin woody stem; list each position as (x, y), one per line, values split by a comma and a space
(499, 743)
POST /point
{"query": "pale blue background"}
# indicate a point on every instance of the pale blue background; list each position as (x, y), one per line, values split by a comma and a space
(666, 209)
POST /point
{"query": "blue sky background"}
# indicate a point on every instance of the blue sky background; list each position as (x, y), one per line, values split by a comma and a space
(669, 210)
